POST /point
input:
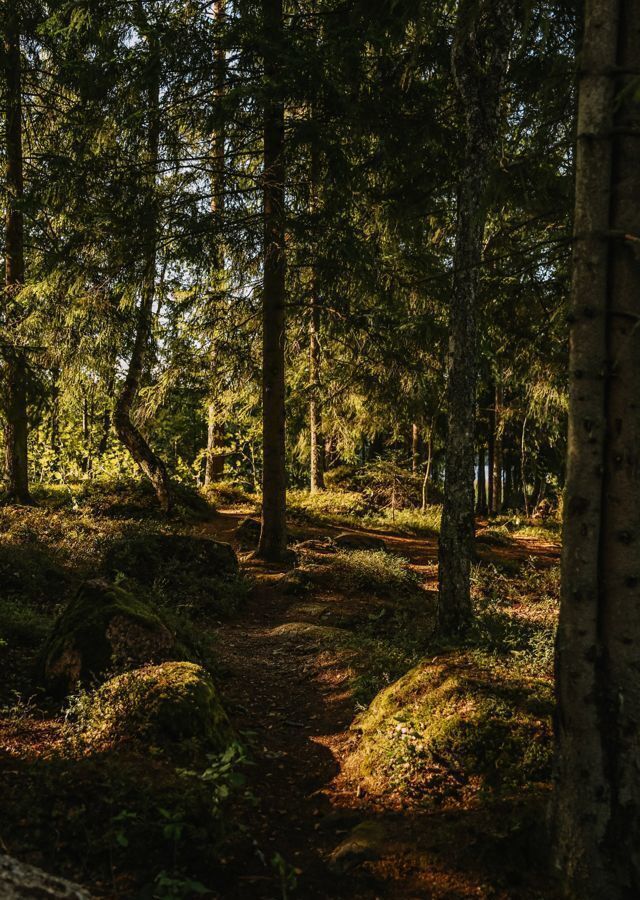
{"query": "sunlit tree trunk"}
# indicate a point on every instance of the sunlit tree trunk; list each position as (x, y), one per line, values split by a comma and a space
(273, 534)
(415, 448)
(15, 401)
(597, 772)
(215, 456)
(479, 59)
(132, 438)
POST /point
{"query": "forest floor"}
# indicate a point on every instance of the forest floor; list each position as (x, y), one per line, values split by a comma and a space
(298, 661)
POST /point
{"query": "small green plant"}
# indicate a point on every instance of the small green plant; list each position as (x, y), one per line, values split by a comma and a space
(222, 776)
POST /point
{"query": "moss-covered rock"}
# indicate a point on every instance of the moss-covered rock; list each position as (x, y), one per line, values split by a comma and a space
(451, 727)
(351, 541)
(146, 557)
(162, 706)
(104, 628)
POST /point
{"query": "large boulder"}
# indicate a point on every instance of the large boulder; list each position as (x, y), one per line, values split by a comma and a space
(104, 629)
(145, 557)
(160, 706)
(20, 881)
(350, 541)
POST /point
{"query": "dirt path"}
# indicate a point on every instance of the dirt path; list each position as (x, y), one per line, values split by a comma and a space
(291, 696)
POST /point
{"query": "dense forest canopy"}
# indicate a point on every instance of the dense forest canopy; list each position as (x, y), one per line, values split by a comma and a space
(319, 369)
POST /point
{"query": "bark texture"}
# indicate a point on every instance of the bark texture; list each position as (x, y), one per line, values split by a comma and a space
(479, 59)
(15, 402)
(596, 810)
(273, 534)
(131, 436)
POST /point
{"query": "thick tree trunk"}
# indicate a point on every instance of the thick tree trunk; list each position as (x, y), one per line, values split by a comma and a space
(273, 534)
(215, 456)
(481, 505)
(597, 798)
(149, 463)
(315, 402)
(15, 405)
(479, 58)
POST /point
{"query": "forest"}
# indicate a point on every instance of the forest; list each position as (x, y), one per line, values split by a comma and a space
(320, 450)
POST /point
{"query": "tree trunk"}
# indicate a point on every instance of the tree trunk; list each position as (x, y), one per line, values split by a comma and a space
(415, 449)
(481, 506)
(523, 467)
(273, 534)
(597, 799)
(490, 454)
(315, 403)
(427, 471)
(150, 464)
(215, 456)
(15, 406)
(497, 452)
(479, 59)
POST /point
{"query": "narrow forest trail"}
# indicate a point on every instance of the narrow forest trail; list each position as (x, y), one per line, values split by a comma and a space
(291, 695)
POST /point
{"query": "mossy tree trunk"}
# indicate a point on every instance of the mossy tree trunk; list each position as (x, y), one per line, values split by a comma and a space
(479, 59)
(596, 809)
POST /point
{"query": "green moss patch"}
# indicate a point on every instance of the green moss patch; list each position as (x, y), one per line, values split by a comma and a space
(451, 728)
(104, 628)
(160, 706)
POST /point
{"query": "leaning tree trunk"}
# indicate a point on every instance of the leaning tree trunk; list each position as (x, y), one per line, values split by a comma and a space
(479, 59)
(132, 438)
(597, 798)
(15, 403)
(215, 455)
(273, 534)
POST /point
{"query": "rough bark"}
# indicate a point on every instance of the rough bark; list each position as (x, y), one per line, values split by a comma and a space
(273, 534)
(479, 60)
(16, 372)
(596, 810)
(132, 438)
(215, 456)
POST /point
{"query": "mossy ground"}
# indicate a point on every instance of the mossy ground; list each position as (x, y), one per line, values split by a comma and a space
(460, 733)
(121, 818)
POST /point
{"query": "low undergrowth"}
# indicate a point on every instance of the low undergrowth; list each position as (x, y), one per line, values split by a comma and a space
(356, 509)
(127, 818)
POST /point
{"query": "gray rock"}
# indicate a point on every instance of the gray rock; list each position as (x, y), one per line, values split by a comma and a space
(20, 881)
